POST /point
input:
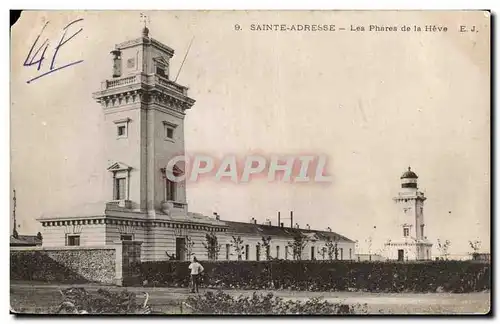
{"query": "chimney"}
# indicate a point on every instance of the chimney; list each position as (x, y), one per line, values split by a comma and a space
(282, 225)
(308, 227)
(217, 216)
(297, 225)
(252, 221)
(329, 229)
(279, 218)
(291, 219)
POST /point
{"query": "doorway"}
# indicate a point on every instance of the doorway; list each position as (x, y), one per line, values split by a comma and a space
(180, 248)
(401, 255)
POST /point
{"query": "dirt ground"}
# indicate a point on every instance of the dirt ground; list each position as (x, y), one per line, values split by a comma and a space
(39, 298)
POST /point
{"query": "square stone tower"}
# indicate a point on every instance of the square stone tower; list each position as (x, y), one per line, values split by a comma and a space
(144, 132)
(144, 118)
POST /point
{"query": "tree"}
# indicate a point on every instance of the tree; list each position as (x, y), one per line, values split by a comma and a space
(189, 247)
(297, 246)
(266, 243)
(369, 242)
(443, 248)
(237, 244)
(475, 246)
(323, 251)
(336, 247)
(332, 247)
(212, 246)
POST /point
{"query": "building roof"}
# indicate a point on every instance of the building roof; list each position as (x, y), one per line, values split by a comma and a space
(25, 240)
(269, 230)
(409, 174)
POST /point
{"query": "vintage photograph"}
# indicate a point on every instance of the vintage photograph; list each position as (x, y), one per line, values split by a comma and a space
(250, 162)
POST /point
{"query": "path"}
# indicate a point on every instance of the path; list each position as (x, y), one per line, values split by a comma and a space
(29, 294)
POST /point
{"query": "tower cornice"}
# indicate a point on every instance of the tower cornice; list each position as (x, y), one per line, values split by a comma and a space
(145, 41)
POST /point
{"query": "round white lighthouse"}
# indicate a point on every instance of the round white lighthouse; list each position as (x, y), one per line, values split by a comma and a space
(407, 239)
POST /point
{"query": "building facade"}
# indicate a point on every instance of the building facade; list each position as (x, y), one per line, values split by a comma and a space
(408, 240)
(144, 114)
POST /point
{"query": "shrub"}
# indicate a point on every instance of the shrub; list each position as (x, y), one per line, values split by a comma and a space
(449, 276)
(222, 303)
(103, 301)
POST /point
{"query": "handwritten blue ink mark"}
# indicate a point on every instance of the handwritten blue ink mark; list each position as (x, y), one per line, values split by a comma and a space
(31, 59)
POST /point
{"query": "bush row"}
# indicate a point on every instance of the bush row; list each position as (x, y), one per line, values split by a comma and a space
(449, 276)
(220, 303)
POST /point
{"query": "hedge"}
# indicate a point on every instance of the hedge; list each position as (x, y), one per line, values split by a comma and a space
(438, 276)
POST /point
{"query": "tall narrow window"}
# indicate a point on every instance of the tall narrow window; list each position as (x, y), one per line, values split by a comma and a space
(257, 252)
(247, 252)
(341, 253)
(120, 188)
(277, 252)
(422, 230)
(406, 232)
(170, 190)
(312, 253)
(350, 254)
(120, 183)
(286, 252)
(228, 246)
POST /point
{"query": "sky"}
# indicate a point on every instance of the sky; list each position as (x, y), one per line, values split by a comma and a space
(372, 102)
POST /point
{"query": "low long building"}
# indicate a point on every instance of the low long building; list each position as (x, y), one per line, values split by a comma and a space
(316, 245)
(180, 239)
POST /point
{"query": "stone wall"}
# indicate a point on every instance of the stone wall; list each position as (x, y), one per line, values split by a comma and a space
(102, 264)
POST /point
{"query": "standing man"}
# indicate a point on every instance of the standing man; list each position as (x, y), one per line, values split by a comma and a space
(196, 270)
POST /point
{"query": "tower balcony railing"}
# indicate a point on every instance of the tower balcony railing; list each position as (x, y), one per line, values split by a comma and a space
(169, 206)
(127, 204)
(178, 205)
(411, 193)
(108, 84)
(149, 79)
